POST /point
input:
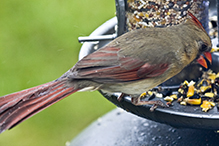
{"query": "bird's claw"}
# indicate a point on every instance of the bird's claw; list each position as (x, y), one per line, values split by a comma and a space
(160, 103)
(137, 101)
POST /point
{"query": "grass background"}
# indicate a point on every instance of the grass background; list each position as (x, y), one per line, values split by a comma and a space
(38, 43)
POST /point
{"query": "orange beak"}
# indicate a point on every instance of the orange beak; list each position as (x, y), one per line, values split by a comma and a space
(208, 56)
(201, 60)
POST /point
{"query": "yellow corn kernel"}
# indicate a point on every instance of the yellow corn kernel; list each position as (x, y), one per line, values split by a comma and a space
(212, 103)
(159, 95)
(168, 98)
(206, 105)
(204, 88)
(174, 96)
(212, 76)
(209, 94)
(200, 84)
(217, 75)
(193, 101)
(191, 83)
(143, 94)
(186, 83)
(180, 90)
(183, 103)
(191, 91)
(149, 92)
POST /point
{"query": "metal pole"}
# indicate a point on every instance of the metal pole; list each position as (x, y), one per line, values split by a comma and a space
(120, 13)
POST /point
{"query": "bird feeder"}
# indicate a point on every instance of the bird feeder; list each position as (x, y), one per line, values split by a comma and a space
(135, 14)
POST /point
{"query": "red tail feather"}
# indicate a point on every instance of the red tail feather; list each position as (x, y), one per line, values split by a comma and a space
(16, 107)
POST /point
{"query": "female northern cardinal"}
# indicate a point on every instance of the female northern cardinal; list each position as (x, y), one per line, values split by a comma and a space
(132, 64)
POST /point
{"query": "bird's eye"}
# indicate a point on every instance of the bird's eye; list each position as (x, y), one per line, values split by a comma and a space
(203, 48)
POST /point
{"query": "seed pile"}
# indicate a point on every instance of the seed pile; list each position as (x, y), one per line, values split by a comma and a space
(160, 13)
(204, 93)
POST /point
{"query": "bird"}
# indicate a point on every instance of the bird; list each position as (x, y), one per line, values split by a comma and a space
(131, 64)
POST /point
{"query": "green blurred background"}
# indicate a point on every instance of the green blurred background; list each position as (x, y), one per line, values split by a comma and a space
(38, 43)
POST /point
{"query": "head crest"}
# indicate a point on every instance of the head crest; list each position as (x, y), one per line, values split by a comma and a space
(195, 21)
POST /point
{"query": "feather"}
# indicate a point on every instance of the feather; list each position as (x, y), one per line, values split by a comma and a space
(196, 21)
(17, 107)
(107, 66)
